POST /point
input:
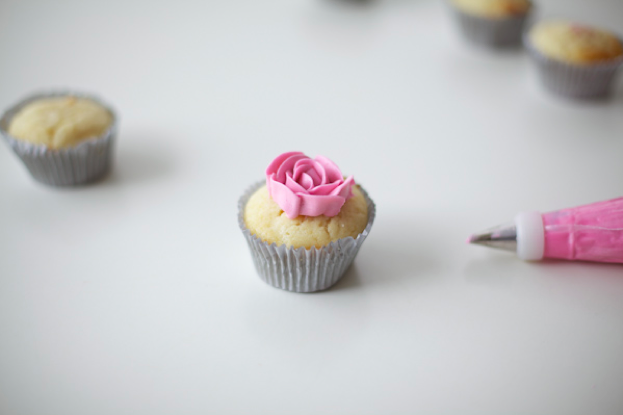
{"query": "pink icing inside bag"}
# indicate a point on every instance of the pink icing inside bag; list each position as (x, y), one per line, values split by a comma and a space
(588, 233)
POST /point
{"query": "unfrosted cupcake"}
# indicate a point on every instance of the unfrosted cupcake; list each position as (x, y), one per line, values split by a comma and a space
(494, 23)
(575, 59)
(306, 223)
(64, 139)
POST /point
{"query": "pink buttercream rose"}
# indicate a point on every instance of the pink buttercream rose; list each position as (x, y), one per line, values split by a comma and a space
(304, 186)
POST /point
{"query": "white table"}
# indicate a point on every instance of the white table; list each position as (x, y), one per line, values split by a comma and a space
(138, 295)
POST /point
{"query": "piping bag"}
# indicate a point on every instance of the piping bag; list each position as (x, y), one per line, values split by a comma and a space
(591, 232)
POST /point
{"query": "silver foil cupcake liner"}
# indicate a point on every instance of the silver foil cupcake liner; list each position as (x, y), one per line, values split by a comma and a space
(593, 80)
(494, 33)
(302, 270)
(89, 161)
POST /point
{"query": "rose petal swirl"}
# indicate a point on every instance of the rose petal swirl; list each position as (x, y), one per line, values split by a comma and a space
(304, 186)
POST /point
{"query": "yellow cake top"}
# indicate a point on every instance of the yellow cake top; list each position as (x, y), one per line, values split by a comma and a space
(267, 221)
(575, 43)
(494, 9)
(60, 122)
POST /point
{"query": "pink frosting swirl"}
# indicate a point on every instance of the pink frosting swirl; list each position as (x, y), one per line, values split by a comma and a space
(304, 186)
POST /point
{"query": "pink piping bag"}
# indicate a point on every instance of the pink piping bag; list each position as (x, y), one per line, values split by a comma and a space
(585, 233)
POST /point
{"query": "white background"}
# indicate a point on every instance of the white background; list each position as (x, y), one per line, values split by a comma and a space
(137, 295)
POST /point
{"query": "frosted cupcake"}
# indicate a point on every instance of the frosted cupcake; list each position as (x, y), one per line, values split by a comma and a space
(306, 223)
(63, 139)
(574, 59)
(492, 23)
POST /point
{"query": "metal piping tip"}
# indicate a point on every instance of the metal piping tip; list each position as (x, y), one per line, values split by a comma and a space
(502, 237)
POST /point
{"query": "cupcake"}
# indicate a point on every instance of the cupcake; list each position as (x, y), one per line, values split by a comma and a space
(305, 223)
(64, 139)
(492, 23)
(574, 59)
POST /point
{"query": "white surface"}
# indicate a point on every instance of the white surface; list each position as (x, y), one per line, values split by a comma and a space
(530, 236)
(138, 295)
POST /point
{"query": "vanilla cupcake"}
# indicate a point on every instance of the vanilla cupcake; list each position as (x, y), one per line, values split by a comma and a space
(493, 23)
(305, 224)
(574, 59)
(63, 139)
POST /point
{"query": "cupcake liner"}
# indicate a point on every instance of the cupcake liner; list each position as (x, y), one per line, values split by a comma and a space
(302, 270)
(89, 161)
(496, 33)
(592, 80)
